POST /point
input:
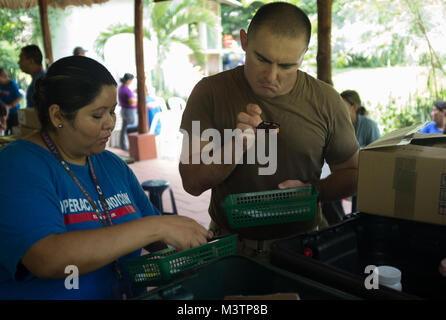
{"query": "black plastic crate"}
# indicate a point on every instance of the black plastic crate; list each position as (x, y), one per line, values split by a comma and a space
(340, 254)
(238, 275)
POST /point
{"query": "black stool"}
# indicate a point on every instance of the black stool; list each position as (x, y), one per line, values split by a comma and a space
(156, 189)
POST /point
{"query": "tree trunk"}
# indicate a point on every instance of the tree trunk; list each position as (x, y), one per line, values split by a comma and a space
(140, 75)
(43, 10)
(324, 40)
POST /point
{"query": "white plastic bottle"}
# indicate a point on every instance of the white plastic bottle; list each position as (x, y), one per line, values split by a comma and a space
(390, 277)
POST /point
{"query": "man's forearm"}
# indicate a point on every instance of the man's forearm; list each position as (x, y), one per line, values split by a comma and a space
(200, 177)
(338, 185)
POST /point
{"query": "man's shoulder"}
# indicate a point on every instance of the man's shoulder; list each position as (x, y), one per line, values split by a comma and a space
(224, 76)
(312, 85)
(41, 73)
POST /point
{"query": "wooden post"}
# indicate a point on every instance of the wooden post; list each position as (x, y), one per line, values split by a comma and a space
(140, 75)
(43, 9)
(324, 40)
(142, 145)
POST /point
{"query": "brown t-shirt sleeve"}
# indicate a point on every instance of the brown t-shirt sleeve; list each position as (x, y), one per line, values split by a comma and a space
(341, 142)
(199, 107)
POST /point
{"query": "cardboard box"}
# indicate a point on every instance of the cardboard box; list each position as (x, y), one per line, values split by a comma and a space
(28, 118)
(403, 175)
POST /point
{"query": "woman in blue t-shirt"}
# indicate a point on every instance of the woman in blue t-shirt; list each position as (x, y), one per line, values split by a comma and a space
(67, 204)
(438, 115)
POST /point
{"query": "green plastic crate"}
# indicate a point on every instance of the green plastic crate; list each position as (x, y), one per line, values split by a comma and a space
(160, 267)
(271, 207)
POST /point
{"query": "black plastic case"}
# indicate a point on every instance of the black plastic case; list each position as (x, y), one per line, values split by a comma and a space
(341, 253)
(241, 276)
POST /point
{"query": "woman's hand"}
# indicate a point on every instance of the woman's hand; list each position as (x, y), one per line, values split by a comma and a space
(182, 232)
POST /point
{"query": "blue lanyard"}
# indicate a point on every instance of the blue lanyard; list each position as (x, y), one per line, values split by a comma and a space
(53, 149)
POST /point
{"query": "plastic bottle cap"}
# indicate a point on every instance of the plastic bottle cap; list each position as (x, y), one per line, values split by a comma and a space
(389, 275)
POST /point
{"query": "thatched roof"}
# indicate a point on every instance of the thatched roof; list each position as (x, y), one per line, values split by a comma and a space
(26, 4)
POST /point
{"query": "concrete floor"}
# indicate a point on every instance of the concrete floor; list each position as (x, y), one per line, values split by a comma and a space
(187, 205)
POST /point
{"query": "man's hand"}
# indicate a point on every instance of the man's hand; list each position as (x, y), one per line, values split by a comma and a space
(249, 119)
(247, 123)
(293, 184)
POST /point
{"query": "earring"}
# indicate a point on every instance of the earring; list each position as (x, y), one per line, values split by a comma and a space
(60, 126)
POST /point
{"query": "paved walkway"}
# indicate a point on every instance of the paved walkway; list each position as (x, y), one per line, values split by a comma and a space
(187, 205)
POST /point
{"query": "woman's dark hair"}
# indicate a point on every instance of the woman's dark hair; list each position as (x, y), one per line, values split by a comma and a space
(352, 97)
(126, 77)
(72, 83)
(440, 105)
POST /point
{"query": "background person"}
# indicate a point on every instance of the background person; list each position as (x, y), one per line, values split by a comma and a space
(438, 114)
(54, 224)
(152, 109)
(314, 125)
(366, 129)
(79, 51)
(3, 115)
(10, 96)
(128, 102)
(30, 62)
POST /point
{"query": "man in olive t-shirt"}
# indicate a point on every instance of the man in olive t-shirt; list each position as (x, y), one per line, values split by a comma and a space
(314, 124)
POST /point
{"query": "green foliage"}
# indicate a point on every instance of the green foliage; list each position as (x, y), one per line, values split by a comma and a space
(233, 19)
(394, 33)
(395, 115)
(13, 23)
(19, 28)
(165, 18)
(14, 34)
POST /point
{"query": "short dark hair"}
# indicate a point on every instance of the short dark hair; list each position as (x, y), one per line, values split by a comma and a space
(79, 51)
(3, 72)
(283, 19)
(440, 105)
(33, 52)
(72, 83)
(126, 77)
